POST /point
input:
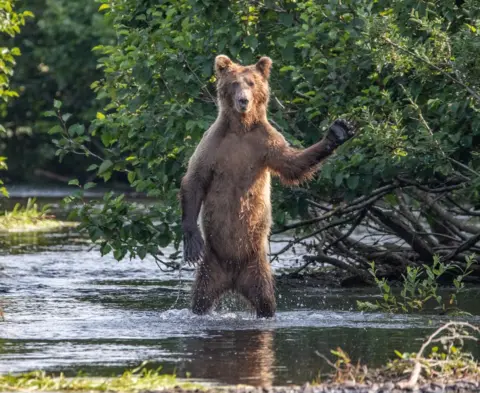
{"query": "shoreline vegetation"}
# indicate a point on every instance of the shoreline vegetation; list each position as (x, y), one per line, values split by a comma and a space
(31, 219)
(440, 365)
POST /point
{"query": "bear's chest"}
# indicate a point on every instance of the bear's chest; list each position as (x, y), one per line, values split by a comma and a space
(239, 157)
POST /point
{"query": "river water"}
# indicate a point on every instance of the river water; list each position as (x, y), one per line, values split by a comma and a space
(68, 309)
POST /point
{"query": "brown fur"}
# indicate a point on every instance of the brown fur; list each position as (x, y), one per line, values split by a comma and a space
(228, 178)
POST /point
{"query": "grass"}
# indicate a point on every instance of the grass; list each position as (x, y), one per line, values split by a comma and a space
(139, 379)
(31, 218)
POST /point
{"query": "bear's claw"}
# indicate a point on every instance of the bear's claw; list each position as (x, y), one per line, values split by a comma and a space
(341, 130)
(193, 247)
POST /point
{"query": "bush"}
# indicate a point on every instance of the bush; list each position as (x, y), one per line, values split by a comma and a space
(406, 71)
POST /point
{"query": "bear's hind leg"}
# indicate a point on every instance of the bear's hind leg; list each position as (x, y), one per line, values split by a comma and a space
(256, 284)
(210, 284)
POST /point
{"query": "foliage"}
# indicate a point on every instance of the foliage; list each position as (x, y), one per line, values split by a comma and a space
(448, 361)
(10, 23)
(56, 62)
(3, 166)
(407, 71)
(345, 370)
(419, 286)
(138, 379)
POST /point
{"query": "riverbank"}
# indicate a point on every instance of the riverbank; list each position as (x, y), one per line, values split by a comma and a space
(389, 387)
(167, 386)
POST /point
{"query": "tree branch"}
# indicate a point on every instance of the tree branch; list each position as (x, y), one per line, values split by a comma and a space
(338, 263)
(469, 243)
(435, 207)
(423, 249)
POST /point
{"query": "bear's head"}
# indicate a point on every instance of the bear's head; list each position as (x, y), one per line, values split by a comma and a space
(242, 88)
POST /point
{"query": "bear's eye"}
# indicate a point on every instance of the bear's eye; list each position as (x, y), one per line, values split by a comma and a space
(250, 83)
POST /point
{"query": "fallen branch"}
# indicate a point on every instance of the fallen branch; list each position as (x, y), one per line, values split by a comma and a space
(357, 204)
(340, 264)
(451, 326)
(423, 249)
(466, 245)
(435, 207)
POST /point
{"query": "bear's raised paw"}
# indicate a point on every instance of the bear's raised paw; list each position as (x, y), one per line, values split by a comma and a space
(340, 131)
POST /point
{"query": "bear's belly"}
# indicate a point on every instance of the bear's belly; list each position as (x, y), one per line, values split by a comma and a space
(236, 220)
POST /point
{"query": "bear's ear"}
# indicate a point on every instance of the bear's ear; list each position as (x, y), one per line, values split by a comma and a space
(263, 66)
(222, 64)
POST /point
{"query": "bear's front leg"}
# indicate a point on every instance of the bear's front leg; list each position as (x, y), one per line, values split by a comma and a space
(193, 245)
(293, 165)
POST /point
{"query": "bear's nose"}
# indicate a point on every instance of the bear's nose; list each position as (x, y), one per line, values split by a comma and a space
(243, 101)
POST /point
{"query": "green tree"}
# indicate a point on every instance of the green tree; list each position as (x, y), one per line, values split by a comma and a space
(56, 63)
(10, 23)
(406, 71)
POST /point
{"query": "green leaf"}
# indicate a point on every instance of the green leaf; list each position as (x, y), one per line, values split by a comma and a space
(104, 6)
(119, 253)
(287, 68)
(105, 249)
(338, 179)
(73, 182)
(251, 41)
(76, 129)
(473, 29)
(89, 185)
(57, 129)
(131, 177)
(142, 252)
(105, 166)
(49, 114)
(106, 139)
(286, 18)
(57, 104)
(352, 182)
(100, 116)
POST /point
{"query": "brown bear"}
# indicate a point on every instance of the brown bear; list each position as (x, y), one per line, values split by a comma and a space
(228, 180)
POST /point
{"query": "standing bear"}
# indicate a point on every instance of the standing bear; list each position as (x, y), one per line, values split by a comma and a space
(228, 184)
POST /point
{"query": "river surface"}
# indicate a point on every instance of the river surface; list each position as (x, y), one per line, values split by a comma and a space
(68, 309)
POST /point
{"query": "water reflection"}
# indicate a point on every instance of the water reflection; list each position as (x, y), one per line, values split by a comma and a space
(245, 356)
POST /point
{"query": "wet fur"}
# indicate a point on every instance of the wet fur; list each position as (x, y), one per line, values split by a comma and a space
(228, 184)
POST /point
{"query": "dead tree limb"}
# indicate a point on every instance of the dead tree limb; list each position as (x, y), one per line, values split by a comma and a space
(466, 245)
(421, 247)
(439, 211)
